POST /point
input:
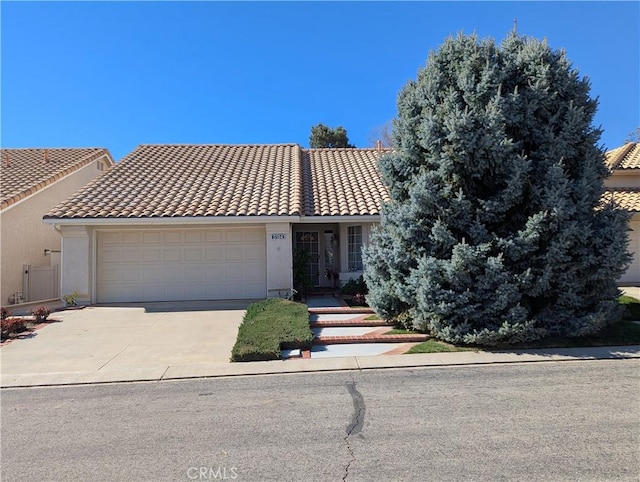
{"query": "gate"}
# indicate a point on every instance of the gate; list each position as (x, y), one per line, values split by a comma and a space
(41, 282)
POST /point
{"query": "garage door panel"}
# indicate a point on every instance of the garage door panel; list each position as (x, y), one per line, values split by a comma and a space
(194, 273)
(151, 273)
(152, 255)
(255, 254)
(233, 236)
(173, 265)
(172, 255)
(109, 274)
(173, 273)
(193, 237)
(214, 254)
(130, 274)
(172, 237)
(213, 237)
(130, 255)
(254, 236)
(254, 271)
(130, 237)
(254, 290)
(154, 237)
(110, 238)
(193, 254)
(234, 253)
(109, 256)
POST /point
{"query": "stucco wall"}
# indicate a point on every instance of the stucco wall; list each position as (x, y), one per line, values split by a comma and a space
(23, 234)
(622, 179)
(279, 259)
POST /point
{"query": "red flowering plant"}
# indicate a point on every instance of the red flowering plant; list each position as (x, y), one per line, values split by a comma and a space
(41, 314)
(9, 326)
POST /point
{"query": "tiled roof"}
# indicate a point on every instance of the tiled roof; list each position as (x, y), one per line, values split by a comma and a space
(23, 172)
(627, 199)
(625, 157)
(342, 182)
(193, 180)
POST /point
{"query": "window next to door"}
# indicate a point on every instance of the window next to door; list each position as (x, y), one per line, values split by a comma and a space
(354, 248)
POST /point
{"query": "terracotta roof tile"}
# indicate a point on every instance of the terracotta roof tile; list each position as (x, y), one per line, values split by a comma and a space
(342, 182)
(24, 172)
(193, 180)
(627, 199)
(625, 157)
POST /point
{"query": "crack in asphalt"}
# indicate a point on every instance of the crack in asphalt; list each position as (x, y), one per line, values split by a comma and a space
(357, 422)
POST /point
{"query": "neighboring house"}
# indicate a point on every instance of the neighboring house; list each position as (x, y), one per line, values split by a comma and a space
(207, 222)
(624, 187)
(32, 181)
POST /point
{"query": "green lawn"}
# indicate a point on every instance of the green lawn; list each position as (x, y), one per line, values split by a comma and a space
(437, 346)
(270, 325)
(625, 332)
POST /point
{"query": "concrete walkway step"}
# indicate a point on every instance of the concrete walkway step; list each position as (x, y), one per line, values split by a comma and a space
(353, 322)
(370, 338)
(339, 310)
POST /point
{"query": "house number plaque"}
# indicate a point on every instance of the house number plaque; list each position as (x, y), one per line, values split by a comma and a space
(278, 236)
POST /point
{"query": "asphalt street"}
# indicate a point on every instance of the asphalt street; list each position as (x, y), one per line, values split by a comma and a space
(555, 421)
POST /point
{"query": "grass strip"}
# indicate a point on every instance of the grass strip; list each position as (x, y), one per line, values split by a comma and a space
(269, 326)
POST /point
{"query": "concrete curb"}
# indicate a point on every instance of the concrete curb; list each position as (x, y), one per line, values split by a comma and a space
(180, 372)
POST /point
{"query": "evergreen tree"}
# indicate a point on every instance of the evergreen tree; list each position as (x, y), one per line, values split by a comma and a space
(496, 231)
(323, 136)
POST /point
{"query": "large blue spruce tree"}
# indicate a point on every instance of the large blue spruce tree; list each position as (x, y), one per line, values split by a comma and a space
(496, 232)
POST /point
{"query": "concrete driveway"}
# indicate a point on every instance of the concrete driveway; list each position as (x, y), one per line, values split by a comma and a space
(128, 338)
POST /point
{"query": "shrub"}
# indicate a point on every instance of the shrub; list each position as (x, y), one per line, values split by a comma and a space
(270, 325)
(41, 314)
(72, 299)
(631, 308)
(9, 326)
(4, 313)
(301, 278)
(354, 287)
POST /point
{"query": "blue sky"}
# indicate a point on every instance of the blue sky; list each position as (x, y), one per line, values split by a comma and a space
(119, 74)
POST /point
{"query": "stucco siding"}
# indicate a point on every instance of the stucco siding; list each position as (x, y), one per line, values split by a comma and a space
(23, 234)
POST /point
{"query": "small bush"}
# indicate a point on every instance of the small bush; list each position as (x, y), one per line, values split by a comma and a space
(631, 308)
(270, 325)
(41, 314)
(72, 299)
(10, 326)
(354, 287)
(4, 313)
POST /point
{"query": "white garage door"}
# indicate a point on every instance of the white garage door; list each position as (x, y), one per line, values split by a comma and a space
(175, 265)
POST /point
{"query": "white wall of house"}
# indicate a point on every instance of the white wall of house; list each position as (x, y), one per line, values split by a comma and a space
(77, 253)
(279, 260)
(24, 236)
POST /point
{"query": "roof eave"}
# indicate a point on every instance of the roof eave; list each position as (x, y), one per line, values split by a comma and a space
(353, 218)
(173, 221)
